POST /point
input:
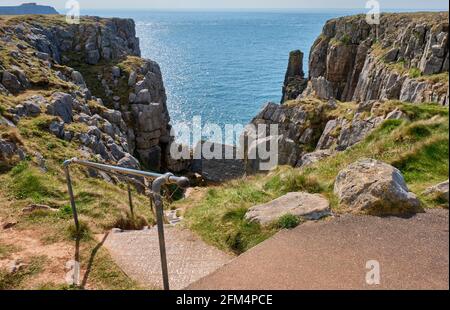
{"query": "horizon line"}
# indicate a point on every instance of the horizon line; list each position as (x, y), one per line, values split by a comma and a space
(253, 9)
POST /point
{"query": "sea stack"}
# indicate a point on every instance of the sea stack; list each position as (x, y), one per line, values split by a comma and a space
(294, 82)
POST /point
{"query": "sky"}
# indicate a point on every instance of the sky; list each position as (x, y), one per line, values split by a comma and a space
(236, 4)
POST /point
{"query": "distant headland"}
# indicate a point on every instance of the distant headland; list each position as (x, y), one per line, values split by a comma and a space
(27, 8)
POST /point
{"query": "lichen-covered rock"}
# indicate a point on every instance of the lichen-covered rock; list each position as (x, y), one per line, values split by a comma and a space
(376, 188)
(305, 205)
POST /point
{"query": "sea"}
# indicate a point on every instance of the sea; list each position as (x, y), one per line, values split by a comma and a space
(223, 66)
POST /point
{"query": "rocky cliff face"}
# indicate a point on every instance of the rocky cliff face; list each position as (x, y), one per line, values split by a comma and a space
(359, 75)
(406, 58)
(91, 75)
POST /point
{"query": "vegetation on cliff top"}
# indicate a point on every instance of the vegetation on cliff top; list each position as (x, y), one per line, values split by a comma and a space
(31, 181)
(101, 205)
(419, 148)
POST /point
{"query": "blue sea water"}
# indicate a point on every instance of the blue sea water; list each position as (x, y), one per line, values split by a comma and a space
(224, 66)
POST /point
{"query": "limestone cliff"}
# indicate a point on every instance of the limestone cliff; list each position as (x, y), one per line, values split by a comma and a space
(92, 75)
(359, 76)
(406, 58)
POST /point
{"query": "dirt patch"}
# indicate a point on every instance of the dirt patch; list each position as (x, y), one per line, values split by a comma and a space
(27, 245)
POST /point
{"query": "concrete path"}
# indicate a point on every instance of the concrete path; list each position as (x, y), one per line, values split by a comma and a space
(413, 253)
(189, 258)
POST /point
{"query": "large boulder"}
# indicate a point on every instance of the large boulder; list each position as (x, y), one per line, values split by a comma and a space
(305, 205)
(61, 105)
(376, 188)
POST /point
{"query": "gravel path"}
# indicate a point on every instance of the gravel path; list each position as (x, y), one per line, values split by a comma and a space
(413, 253)
(189, 258)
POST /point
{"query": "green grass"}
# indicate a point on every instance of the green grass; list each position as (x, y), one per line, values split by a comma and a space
(288, 221)
(101, 206)
(414, 73)
(28, 182)
(418, 148)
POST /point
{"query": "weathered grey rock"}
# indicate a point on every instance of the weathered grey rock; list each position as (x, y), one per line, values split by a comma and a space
(94, 131)
(42, 56)
(132, 79)
(41, 161)
(115, 72)
(397, 114)
(6, 122)
(61, 105)
(57, 129)
(374, 187)
(36, 207)
(3, 89)
(391, 55)
(93, 57)
(143, 97)
(7, 149)
(77, 78)
(132, 98)
(116, 151)
(305, 205)
(149, 117)
(11, 82)
(129, 162)
(113, 116)
(440, 190)
(356, 132)
(29, 108)
(108, 128)
(307, 136)
(330, 134)
(314, 157)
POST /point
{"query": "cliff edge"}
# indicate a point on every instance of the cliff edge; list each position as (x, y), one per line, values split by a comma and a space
(404, 58)
(91, 75)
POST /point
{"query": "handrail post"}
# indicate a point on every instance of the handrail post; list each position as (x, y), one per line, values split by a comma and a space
(155, 198)
(156, 189)
(72, 198)
(130, 201)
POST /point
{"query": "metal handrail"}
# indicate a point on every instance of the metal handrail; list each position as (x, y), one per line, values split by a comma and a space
(159, 181)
